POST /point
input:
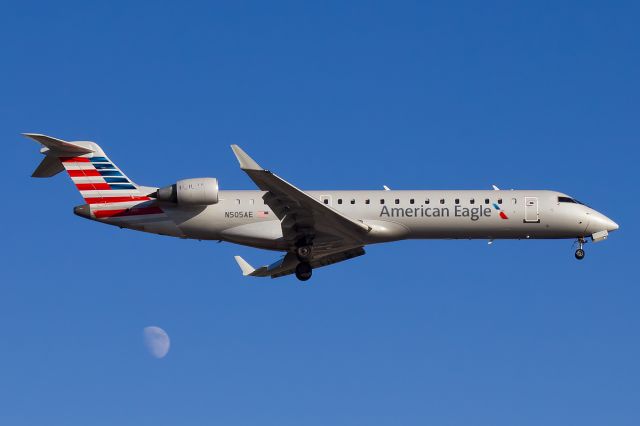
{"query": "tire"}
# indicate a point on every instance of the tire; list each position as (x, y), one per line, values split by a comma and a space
(579, 254)
(303, 271)
(304, 253)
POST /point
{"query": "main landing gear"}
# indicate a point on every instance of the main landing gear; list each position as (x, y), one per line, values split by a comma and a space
(304, 253)
(580, 252)
(303, 271)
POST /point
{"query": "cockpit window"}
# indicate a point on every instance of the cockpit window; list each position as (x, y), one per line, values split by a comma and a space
(568, 200)
(565, 200)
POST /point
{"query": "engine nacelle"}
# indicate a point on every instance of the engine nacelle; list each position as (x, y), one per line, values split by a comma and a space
(190, 192)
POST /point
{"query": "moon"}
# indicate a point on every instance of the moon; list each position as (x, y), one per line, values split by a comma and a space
(157, 341)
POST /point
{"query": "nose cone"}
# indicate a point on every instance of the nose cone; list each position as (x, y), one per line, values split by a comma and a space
(612, 226)
(599, 222)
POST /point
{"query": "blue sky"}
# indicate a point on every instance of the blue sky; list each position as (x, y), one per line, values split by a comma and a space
(329, 95)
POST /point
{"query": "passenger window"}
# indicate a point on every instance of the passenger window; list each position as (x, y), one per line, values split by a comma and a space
(339, 200)
(457, 200)
(237, 200)
(367, 201)
(326, 201)
(426, 201)
(486, 201)
(442, 201)
(412, 201)
(353, 201)
(515, 200)
(382, 201)
(397, 201)
(499, 200)
(472, 201)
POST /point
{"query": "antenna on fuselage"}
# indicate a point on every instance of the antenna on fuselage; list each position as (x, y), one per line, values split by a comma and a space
(386, 188)
(495, 188)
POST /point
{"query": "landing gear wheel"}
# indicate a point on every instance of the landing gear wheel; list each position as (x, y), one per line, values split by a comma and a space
(303, 271)
(580, 251)
(304, 253)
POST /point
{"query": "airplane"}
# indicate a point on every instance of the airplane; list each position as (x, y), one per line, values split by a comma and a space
(313, 228)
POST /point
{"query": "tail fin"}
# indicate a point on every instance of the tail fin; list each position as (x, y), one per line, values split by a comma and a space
(97, 178)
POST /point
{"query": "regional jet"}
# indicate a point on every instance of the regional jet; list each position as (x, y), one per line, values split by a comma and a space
(312, 228)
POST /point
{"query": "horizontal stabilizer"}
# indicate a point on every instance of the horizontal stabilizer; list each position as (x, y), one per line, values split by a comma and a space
(49, 166)
(58, 145)
(287, 264)
(244, 266)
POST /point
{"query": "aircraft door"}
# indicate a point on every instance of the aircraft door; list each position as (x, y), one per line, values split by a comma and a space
(531, 211)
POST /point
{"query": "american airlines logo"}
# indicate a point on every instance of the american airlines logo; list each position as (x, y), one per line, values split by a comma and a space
(473, 213)
(502, 214)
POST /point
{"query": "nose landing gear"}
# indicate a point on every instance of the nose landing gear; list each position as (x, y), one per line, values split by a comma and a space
(580, 252)
(303, 271)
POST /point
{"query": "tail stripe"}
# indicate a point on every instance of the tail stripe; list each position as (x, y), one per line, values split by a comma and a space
(74, 160)
(97, 177)
(83, 173)
(92, 186)
(78, 166)
(109, 173)
(121, 186)
(106, 200)
(116, 180)
(128, 212)
(87, 179)
(91, 193)
(101, 166)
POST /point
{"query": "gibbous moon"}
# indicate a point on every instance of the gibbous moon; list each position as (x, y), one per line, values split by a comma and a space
(157, 341)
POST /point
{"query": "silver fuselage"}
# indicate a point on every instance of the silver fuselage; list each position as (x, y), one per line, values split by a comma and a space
(242, 217)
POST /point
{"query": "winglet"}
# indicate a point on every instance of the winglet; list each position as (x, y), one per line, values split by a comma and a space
(244, 266)
(246, 162)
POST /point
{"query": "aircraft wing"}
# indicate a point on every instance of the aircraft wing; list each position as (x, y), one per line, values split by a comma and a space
(287, 264)
(301, 215)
